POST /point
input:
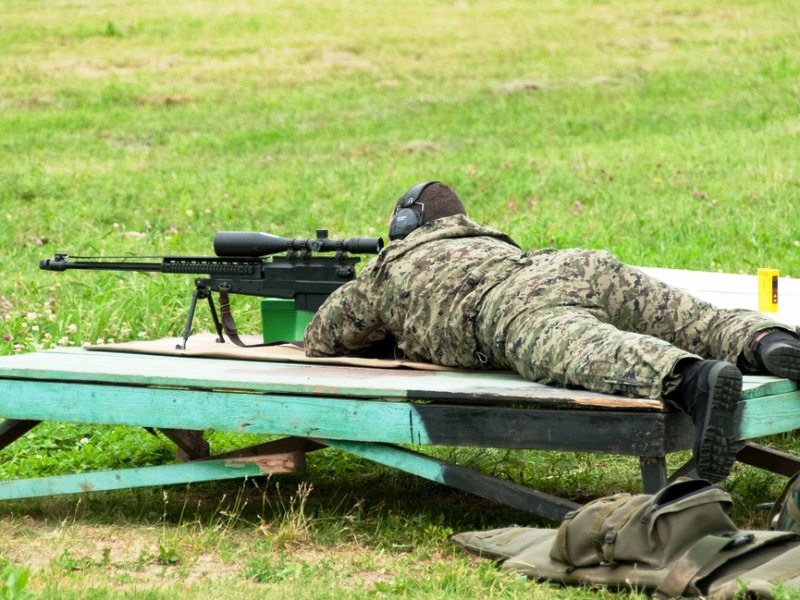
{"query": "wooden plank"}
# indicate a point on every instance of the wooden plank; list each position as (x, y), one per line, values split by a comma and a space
(685, 470)
(468, 480)
(334, 418)
(757, 386)
(147, 476)
(654, 473)
(300, 416)
(392, 384)
(318, 380)
(507, 493)
(631, 433)
(271, 464)
(769, 459)
(769, 415)
(190, 443)
(13, 429)
(282, 446)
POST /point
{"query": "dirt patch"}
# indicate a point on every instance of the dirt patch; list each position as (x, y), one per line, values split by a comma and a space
(162, 100)
(75, 556)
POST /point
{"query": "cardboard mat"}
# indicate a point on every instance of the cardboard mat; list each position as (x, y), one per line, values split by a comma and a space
(206, 345)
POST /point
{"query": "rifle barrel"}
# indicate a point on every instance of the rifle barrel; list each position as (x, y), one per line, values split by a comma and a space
(211, 265)
(60, 263)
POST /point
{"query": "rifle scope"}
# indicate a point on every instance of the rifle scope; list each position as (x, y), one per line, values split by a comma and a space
(253, 243)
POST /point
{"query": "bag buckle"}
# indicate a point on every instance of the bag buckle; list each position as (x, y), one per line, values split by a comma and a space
(737, 541)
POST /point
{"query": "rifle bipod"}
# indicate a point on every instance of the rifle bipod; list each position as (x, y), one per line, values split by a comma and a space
(201, 291)
(226, 324)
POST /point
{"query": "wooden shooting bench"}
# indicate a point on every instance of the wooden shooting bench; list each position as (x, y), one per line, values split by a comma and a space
(376, 413)
(384, 414)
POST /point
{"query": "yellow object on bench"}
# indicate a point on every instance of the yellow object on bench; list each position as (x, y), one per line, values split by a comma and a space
(768, 290)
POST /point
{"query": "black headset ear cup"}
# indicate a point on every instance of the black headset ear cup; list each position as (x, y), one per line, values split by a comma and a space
(406, 219)
(404, 222)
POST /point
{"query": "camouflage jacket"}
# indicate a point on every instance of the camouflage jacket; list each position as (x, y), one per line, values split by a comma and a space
(423, 291)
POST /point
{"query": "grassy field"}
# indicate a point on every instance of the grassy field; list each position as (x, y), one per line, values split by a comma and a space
(665, 132)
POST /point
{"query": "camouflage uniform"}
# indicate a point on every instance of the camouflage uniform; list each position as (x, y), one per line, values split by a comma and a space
(460, 294)
(785, 514)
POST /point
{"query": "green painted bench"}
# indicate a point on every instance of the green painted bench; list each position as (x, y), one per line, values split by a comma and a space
(370, 412)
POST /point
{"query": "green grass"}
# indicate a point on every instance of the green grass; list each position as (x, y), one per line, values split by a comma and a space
(664, 132)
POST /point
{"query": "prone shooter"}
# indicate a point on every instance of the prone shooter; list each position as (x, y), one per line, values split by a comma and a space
(243, 265)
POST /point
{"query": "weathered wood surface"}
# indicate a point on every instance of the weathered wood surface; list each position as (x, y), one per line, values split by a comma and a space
(485, 388)
(190, 443)
(131, 369)
(13, 429)
(485, 486)
(280, 446)
(345, 419)
(770, 414)
(151, 391)
(211, 470)
(770, 459)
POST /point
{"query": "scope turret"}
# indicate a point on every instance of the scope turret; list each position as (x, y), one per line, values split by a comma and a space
(253, 243)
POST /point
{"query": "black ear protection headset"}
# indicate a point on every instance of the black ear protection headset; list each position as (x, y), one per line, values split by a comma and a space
(405, 219)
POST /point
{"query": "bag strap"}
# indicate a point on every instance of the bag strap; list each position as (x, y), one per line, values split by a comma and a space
(229, 324)
(612, 502)
(561, 539)
(713, 551)
(605, 546)
(689, 565)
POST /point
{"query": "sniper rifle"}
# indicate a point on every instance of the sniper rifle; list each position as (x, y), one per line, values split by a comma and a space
(243, 265)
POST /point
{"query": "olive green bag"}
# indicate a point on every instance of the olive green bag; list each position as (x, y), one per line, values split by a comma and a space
(679, 542)
(649, 530)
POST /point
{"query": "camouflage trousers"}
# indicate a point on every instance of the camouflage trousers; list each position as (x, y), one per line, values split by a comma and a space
(583, 318)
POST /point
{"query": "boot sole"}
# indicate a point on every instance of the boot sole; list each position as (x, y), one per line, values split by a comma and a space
(720, 442)
(783, 360)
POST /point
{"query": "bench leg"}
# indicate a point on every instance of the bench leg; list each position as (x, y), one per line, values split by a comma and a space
(768, 459)
(755, 455)
(461, 478)
(281, 446)
(654, 473)
(190, 443)
(13, 429)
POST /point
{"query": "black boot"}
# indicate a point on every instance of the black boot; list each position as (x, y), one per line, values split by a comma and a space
(778, 353)
(711, 391)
